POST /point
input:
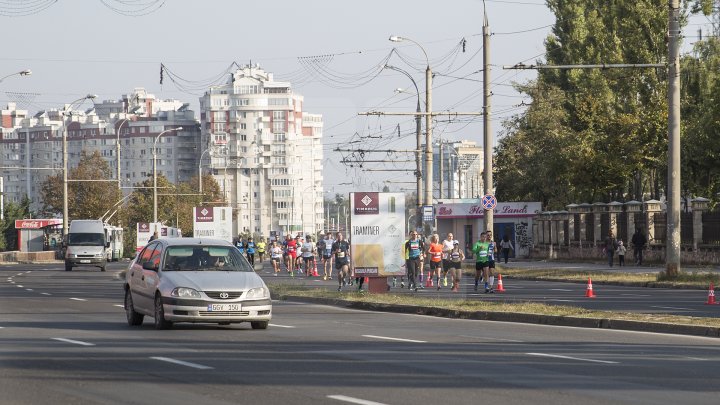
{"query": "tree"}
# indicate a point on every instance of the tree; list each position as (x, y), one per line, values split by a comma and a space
(89, 196)
(8, 233)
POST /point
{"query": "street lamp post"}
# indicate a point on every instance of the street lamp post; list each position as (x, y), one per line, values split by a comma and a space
(117, 152)
(66, 214)
(26, 72)
(428, 198)
(418, 136)
(200, 168)
(154, 154)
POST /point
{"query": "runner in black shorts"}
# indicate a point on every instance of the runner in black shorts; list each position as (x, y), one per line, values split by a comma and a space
(341, 251)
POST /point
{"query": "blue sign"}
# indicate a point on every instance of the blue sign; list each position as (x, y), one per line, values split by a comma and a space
(427, 213)
(489, 201)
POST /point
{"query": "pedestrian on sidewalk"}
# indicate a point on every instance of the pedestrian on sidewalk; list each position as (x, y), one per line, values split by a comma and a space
(639, 241)
(610, 247)
(506, 247)
(621, 250)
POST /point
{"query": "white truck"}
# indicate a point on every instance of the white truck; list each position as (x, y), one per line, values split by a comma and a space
(85, 244)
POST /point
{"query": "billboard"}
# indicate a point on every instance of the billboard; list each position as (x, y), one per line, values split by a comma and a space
(213, 222)
(377, 233)
(144, 230)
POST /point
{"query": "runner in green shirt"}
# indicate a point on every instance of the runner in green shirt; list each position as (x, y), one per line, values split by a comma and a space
(480, 249)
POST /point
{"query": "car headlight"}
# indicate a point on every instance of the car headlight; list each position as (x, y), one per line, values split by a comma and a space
(259, 292)
(184, 292)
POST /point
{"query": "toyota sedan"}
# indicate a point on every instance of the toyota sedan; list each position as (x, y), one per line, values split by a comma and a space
(195, 280)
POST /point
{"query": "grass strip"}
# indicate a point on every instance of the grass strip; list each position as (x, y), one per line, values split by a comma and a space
(284, 290)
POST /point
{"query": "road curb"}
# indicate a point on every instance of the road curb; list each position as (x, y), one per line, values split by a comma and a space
(553, 320)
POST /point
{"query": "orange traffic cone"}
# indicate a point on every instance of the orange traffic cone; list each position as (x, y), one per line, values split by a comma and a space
(315, 273)
(367, 280)
(500, 287)
(711, 295)
(589, 292)
(428, 280)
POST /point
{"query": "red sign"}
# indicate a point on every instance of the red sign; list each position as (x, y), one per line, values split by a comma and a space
(204, 214)
(36, 223)
(366, 203)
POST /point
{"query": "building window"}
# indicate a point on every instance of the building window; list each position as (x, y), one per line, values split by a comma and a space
(279, 137)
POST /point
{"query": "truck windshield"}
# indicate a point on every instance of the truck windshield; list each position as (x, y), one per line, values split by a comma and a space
(86, 239)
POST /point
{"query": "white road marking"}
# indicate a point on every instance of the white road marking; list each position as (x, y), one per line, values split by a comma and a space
(697, 358)
(28, 272)
(557, 356)
(78, 299)
(118, 305)
(563, 300)
(28, 289)
(274, 325)
(561, 289)
(354, 400)
(394, 339)
(681, 309)
(75, 342)
(182, 363)
(489, 338)
(19, 286)
(636, 295)
(19, 274)
(45, 293)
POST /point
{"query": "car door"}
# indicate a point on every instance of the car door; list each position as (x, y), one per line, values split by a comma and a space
(138, 286)
(151, 278)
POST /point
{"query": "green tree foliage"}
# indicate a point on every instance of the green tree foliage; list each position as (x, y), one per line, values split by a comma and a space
(8, 233)
(89, 199)
(591, 134)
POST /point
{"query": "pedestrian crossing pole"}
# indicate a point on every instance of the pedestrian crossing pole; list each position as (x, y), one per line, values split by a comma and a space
(487, 134)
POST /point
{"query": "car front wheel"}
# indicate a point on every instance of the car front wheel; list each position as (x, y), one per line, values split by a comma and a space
(160, 322)
(133, 318)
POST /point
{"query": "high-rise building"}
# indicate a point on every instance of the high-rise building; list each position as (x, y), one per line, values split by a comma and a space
(32, 144)
(457, 170)
(265, 152)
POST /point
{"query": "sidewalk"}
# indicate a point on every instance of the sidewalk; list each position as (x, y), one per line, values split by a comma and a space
(597, 266)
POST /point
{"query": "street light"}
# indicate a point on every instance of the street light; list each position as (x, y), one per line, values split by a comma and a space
(117, 152)
(68, 110)
(26, 72)
(418, 136)
(155, 169)
(427, 200)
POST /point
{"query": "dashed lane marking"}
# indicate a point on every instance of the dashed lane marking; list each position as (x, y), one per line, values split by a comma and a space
(352, 400)
(557, 356)
(182, 363)
(75, 342)
(274, 325)
(394, 339)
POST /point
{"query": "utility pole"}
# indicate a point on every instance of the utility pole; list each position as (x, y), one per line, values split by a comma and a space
(487, 134)
(672, 253)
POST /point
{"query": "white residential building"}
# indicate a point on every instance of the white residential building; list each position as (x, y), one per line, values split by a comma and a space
(265, 152)
(457, 170)
(32, 145)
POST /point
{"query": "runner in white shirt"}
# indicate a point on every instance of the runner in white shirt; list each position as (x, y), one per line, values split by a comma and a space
(448, 245)
(326, 252)
(276, 255)
(308, 254)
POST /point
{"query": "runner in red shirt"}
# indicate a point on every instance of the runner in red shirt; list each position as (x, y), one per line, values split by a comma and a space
(291, 248)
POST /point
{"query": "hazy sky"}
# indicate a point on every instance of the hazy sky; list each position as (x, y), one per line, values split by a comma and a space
(331, 50)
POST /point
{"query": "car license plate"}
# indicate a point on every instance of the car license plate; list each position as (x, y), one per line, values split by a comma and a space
(224, 307)
(84, 261)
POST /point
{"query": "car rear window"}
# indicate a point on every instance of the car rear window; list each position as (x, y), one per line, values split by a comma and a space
(205, 258)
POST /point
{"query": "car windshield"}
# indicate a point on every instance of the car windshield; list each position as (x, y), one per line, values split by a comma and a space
(86, 239)
(204, 258)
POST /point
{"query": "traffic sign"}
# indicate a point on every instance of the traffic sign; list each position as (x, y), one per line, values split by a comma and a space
(489, 201)
(428, 213)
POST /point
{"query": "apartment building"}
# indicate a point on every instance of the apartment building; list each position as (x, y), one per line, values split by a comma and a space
(31, 145)
(457, 170)
(265, 152)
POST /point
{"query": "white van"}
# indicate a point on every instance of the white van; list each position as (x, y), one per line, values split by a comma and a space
(85, 244)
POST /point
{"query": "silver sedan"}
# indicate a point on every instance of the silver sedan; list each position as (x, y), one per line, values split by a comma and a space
(195, 280)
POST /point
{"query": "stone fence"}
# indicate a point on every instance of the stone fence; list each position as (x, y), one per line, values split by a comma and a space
(580, 232)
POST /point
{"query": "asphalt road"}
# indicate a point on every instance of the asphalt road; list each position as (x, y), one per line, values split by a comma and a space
(64, 340)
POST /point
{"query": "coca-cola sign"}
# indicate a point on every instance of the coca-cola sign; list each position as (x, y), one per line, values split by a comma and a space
(36, 223)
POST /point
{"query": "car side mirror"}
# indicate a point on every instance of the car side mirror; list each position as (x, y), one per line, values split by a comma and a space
(149, 266)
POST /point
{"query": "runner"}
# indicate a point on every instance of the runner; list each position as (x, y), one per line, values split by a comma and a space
(250, 248)
(489, 276)
(448, 245)
(240, 244)
(414, 248)
(480, 250)
(261, 249)
(326, 248)
(308, 254)
(341, 251)
(276, 255)
(298, 261)
(291, 255)
(435, 252)
(455, 258)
